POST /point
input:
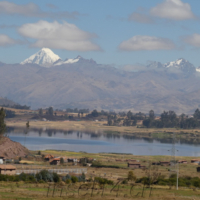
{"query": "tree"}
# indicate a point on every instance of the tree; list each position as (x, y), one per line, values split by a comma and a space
(61, 161)
(2, 123)
(27, 124)
(129, 114)
(50, 111)
(151, 115)
(95, 113)
(152, 174)
(131, 176)
(197, 114)
(109, 120)
(40, 111)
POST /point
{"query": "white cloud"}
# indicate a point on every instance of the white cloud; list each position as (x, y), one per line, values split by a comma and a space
(193, 40)
(173, 9)
(60, 36)
(6, 40)
(140, 18)
(32, 10)
(139, 42)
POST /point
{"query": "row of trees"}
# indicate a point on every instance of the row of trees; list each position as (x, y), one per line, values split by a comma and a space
(76, 110)
(126, 119)
(169, 119)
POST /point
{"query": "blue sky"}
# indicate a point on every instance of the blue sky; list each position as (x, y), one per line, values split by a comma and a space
(111, 32)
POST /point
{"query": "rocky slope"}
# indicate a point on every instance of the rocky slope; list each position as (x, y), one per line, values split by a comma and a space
(10, 149)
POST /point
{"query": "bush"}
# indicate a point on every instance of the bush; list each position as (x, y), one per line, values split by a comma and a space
(68, 181)
(47, 176)
(74, 179)
(125, 181)
(56, 178)
(103, 181)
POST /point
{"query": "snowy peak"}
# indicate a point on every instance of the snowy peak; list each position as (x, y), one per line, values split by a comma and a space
(78, 59)
(45, 57)
(180, 64)
(68, 61)
(198, 69)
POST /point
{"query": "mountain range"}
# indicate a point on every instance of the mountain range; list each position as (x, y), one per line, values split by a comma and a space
(44, 79)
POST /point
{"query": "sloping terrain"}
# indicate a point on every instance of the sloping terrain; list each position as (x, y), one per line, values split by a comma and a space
(5, 101)
(10, 149)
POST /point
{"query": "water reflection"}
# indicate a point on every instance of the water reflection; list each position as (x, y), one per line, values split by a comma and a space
(99, 141)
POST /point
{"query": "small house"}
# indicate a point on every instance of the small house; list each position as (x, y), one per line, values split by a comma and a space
(182, 161)
(155, 163)
(194, 161)
(72, 160)
(134, 165)
(48, 157)
(55, 161)
(7, 169)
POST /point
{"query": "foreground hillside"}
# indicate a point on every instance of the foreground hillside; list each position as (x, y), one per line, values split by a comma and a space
(10, 149)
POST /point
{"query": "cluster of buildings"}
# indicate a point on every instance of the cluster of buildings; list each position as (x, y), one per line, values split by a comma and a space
(56, 160)
(137, 165)
(6, 169)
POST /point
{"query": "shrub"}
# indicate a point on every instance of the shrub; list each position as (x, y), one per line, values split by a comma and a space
(74, 179)
(103, 181)
(68, 181)
(47, 176)
(56, 178)
(125, 181)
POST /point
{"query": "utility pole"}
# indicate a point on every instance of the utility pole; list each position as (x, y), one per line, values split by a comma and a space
(174, 168)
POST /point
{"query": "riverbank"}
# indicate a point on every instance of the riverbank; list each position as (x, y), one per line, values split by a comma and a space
(102, 126)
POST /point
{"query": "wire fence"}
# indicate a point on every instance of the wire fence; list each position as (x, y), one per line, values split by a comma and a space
(58, 171)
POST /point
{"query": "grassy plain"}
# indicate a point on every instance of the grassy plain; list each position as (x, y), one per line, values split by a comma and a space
(26, 191)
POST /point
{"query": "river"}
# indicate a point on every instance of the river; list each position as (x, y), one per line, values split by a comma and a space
(98, 142)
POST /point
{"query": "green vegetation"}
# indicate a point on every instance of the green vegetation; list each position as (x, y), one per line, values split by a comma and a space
(42, 176)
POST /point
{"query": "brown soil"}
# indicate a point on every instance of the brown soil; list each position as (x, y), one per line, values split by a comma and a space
(10, 149)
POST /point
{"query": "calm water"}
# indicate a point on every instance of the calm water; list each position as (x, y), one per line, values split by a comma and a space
(95, 142)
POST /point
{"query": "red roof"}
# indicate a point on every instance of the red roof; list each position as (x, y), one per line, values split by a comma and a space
(49, 156)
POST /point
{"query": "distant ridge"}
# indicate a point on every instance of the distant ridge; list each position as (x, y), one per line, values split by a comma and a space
(5, 101)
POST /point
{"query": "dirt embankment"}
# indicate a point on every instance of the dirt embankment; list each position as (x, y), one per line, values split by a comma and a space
(10, 149)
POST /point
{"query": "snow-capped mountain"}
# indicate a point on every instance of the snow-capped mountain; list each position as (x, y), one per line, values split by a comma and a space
(181, 64)
(198, 69)
(44, 57)
(47, 58)
(68, 61)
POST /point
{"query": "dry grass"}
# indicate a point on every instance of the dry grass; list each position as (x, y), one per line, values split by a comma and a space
(13, 191)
